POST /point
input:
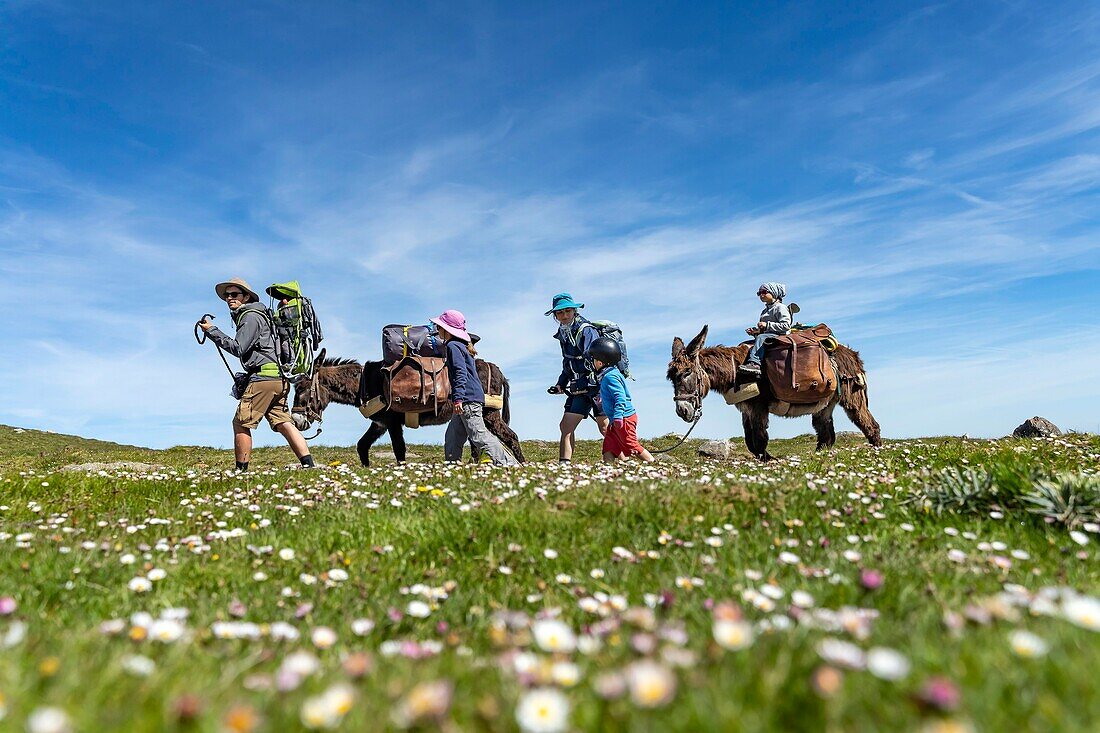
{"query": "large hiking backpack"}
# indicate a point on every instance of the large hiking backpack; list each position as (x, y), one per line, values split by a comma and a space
(401, 341)
(611, 330)
(296, 328)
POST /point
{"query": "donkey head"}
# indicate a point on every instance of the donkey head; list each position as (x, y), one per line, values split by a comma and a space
(689, 380)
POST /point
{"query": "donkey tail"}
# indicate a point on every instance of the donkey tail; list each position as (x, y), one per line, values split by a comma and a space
(506, 411)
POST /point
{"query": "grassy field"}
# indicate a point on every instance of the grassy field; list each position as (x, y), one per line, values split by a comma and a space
(936, 584)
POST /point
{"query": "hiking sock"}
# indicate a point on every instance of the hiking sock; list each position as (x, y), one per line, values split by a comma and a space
(565, 460)
(242, 465)
(307, 460)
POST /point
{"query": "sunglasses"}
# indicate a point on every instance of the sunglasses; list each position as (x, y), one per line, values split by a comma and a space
(235, 295)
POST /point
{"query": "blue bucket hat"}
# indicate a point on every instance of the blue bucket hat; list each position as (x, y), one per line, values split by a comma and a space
(563, 301)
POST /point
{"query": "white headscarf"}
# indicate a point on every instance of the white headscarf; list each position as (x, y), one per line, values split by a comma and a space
(778, 290)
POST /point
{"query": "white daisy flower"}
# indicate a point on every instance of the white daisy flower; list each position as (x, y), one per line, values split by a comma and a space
(841, 653)
(651, 685)
(1027, 644)
(139, 666)
(887, 664)
(553, 635)
(137, 585)
(565, 674)
(418, 609)
(323, 637)
(1083, 611)
(733, 635)
(362, 626)
(48, 720)
(543, 710)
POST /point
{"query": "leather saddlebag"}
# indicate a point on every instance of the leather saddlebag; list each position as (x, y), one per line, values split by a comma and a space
(798, 367)
(417, 384)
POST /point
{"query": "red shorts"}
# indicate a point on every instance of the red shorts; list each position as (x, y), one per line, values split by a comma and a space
(624, 440)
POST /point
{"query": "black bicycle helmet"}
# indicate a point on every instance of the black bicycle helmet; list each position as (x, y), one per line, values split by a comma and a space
(606, 350)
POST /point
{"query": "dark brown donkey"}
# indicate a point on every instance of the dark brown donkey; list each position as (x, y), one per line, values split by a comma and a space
(696, 370)
(337, 380)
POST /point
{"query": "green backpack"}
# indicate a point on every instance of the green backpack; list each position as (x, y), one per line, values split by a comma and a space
(296, 328)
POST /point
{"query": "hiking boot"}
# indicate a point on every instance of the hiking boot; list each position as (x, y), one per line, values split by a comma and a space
(750, 368)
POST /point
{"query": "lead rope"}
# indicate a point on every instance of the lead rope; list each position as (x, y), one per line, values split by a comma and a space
(698, 417)
(201, 337)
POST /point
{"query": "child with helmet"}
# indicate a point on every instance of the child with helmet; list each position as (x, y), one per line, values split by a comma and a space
(621, 438)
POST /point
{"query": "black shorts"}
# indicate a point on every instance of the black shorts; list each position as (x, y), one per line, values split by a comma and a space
(583, 404)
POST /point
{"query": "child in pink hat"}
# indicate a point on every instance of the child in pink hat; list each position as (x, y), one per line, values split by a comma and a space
(467, 394)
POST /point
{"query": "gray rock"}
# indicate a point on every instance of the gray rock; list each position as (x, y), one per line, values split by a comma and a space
(1036, 427)
(715, 449)
(127, 466)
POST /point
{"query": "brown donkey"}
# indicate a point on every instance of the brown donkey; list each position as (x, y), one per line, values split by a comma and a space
(696, 370)
(338, 380)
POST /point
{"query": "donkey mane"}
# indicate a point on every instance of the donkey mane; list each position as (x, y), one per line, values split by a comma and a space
(719, 362)
(335, 361)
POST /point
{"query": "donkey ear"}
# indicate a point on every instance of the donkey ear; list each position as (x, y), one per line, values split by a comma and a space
(321, 356)
(697, 342)
(677, 347)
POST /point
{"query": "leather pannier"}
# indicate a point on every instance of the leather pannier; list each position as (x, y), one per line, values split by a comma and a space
(798, 367)
(417, 384)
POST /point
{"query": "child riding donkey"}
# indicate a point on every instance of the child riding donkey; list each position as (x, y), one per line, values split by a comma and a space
(775, 320)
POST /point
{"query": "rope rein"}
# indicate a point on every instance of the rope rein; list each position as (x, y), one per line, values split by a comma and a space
(704, 381)
(698, 417)
(201, 337)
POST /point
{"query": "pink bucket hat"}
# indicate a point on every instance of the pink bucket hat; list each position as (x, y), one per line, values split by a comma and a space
(454, 323)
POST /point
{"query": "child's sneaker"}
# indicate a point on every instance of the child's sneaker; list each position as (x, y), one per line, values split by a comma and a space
(749, 368)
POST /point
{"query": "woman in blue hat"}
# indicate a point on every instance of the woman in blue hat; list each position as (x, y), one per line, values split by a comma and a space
(578, 379)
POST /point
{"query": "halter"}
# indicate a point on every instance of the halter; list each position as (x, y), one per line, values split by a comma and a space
(695, 399)
(310, 415)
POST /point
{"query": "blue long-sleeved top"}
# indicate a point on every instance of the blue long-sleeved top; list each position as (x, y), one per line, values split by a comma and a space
(465, 384)
(577, 374)
(614, 395)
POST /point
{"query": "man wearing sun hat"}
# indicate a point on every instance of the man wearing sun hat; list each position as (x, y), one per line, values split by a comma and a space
(577, 379)
(265, 395)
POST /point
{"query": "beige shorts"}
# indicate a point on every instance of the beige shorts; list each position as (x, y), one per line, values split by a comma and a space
(266, 398)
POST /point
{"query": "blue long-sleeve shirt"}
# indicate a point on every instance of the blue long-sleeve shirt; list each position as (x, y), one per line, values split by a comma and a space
(614, 394)
(465, 384)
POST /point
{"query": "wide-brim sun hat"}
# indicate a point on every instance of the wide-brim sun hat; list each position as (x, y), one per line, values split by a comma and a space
(563, 301)
(220, 288)
(454, 323)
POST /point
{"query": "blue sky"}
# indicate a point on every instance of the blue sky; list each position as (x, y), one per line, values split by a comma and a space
(924, 178)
